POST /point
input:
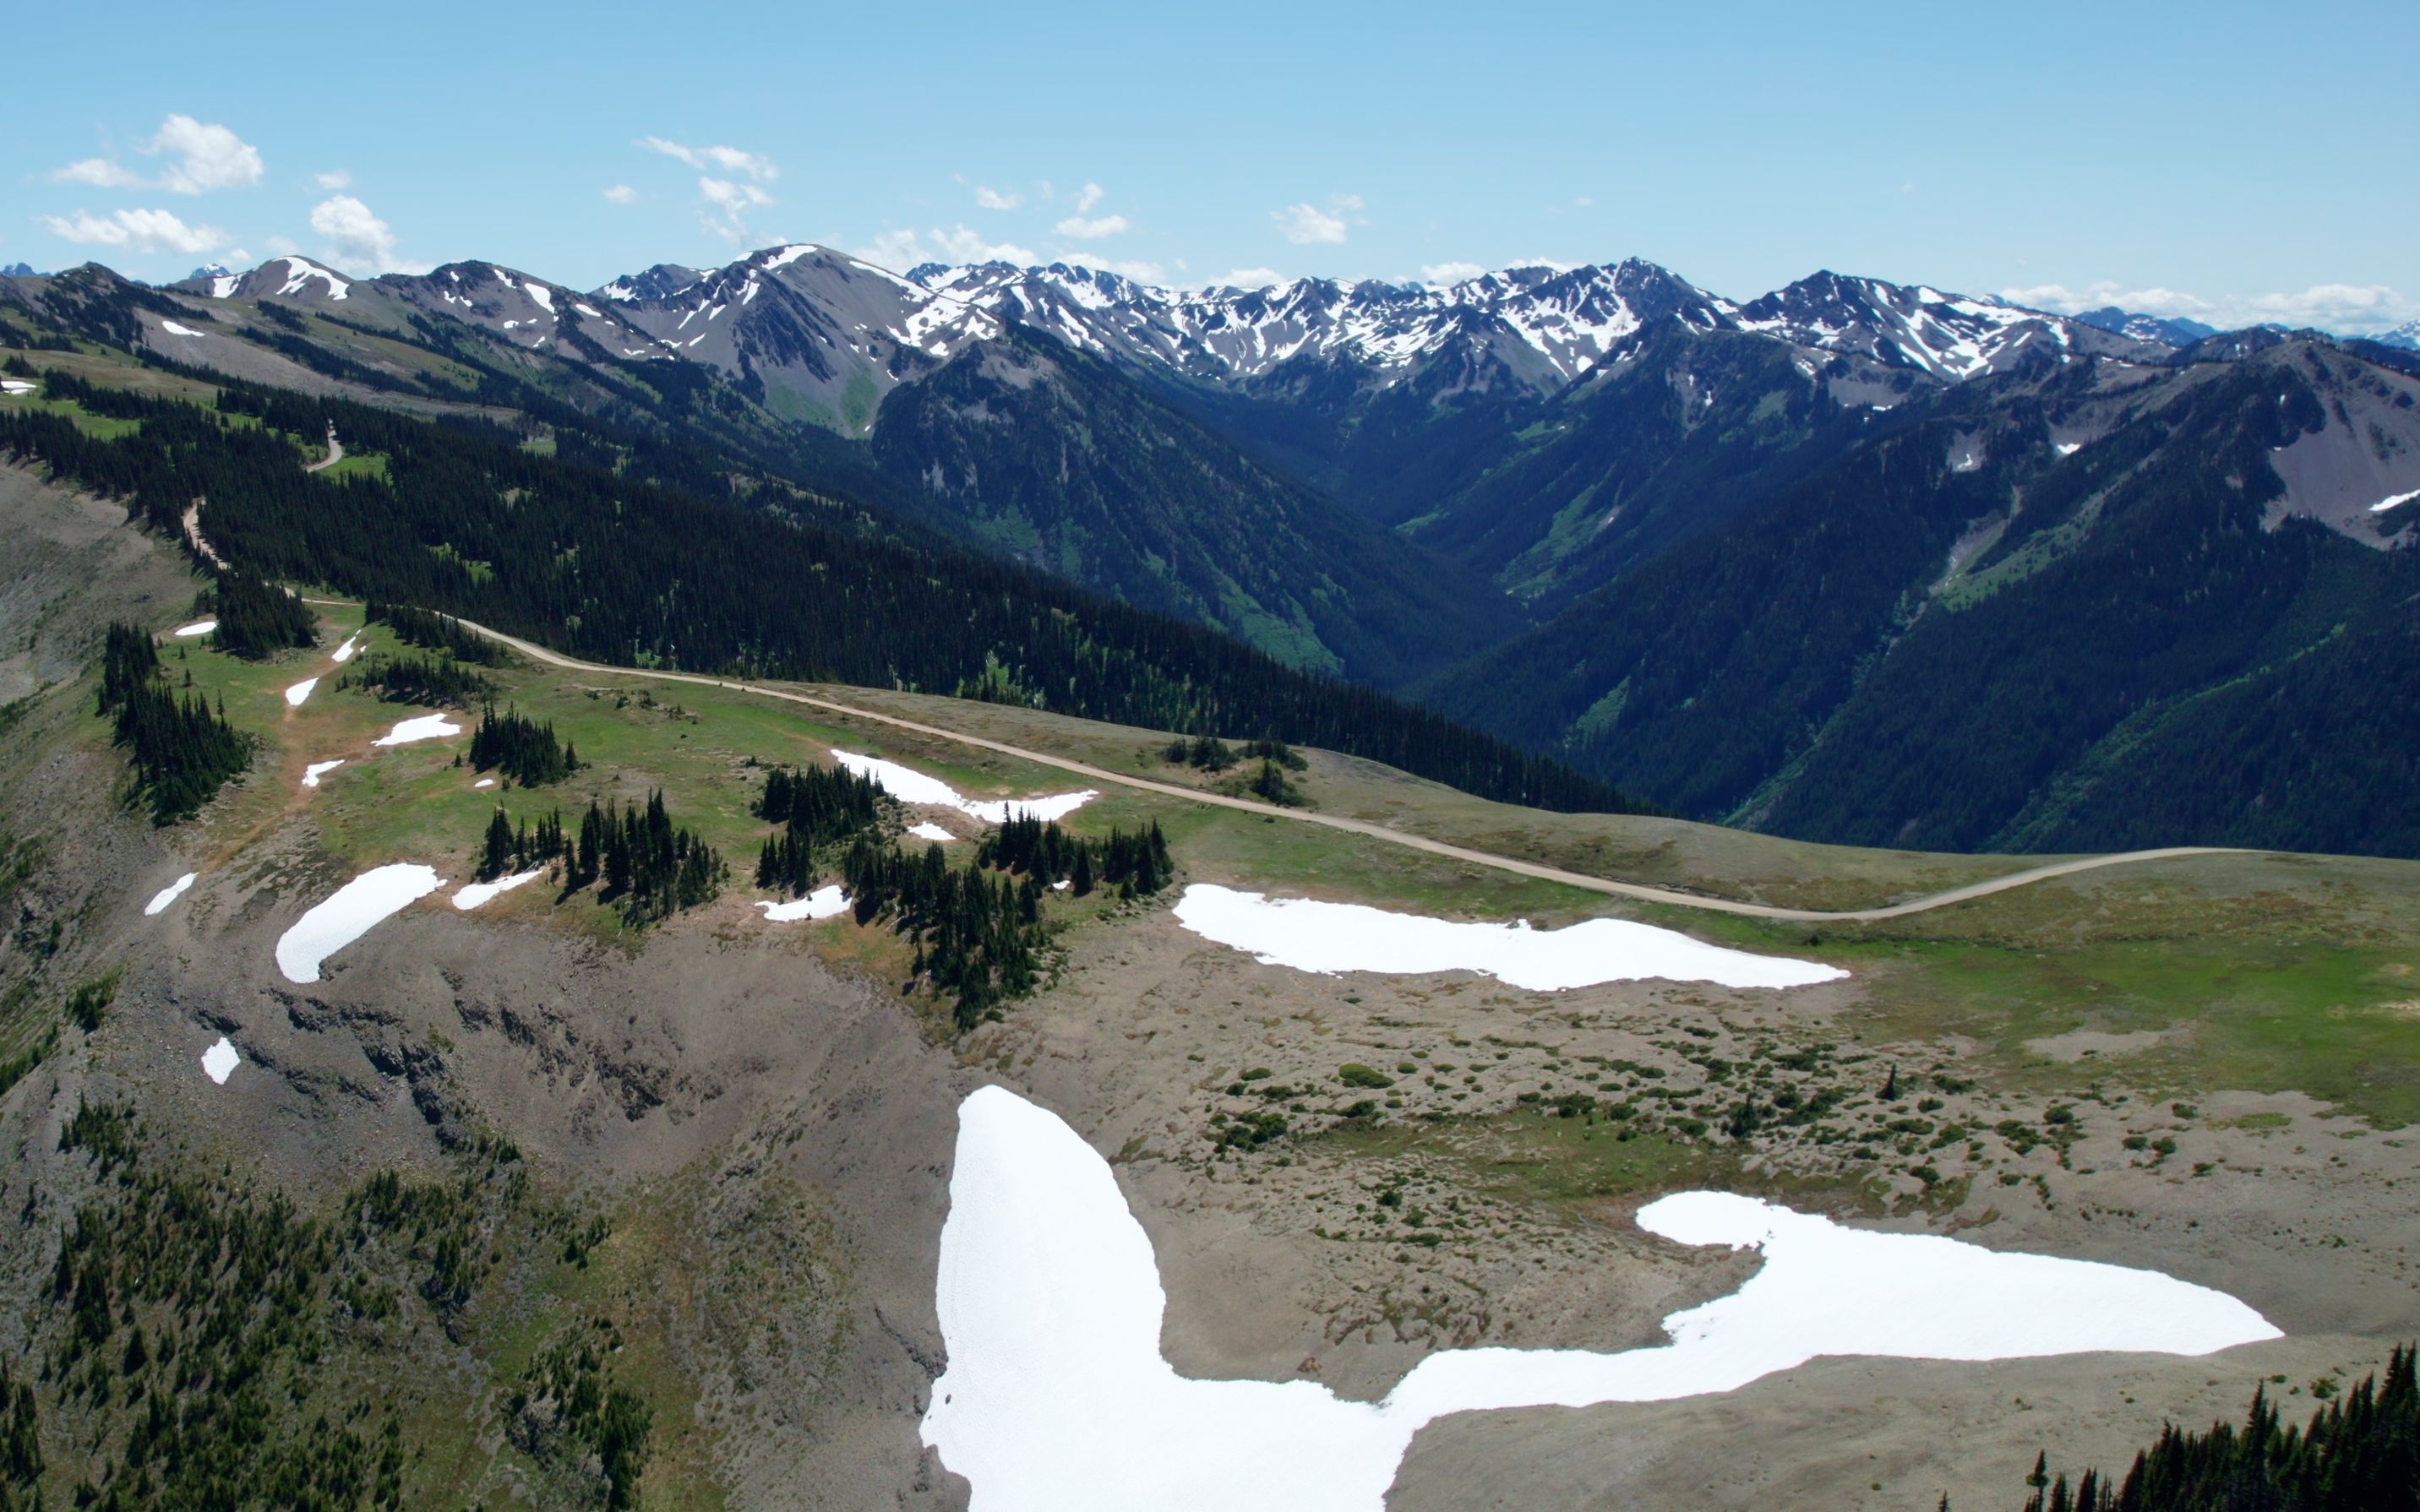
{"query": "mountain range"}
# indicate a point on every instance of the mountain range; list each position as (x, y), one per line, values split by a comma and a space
(1854, 560)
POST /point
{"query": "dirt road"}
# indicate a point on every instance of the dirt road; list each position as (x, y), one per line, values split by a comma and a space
(1359, 826)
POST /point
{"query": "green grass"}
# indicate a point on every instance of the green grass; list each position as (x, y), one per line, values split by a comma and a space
(1572, 1165)
(106, 427)
(358, 465)
(2265, 972)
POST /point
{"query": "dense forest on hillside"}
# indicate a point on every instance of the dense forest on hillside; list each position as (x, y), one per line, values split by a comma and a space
(2129, 650)
(647, 573)
(1053, 456)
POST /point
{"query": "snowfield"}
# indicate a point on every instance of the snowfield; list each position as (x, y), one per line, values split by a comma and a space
(1057, 1399)
(909, 785)
(345, 653)
(1326, 938)
(926, 829)
(349, 913)
(220, 1061)
(175, 330)
(169, 894)
(824, 902)
(2393, 501)
(295, 695)
(479, 893)
(426, 727)
(316, 770)
(197, 628)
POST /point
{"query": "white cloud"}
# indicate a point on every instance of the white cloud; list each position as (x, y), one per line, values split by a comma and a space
(1088, 198)
(2354, 308)
(98, 171)
(729, 159)
(137, 230)
(336, 179)
(203, 157)
(992, 199)
(732, 201)
(359, 238)
(1092, 231)
(1307, 224)
(1141, 270)
(207, 157)
(621, 193)
(904, 249)
(1448, 273)
(1247, 278)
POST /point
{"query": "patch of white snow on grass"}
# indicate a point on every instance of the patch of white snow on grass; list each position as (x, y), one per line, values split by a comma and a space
(175, 330)
(220, 1061)
(479, 893)
(2385, 505)
(169, 894)
(349, 913)
(312, 773)
(197, 628)
(1057, 1398)
(1325, 937)
(485, 782)
(295, 695)
(16, 386)
(345, 653)
(926, 829)
(426, 727)
(824, 902)
(2066, 448)
(909, 785)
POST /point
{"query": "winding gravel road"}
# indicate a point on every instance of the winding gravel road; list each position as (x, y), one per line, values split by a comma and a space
(1363, 826)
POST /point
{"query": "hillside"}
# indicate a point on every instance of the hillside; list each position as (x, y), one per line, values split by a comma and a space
(635, 551)
(2108, 606)
(531, 1198)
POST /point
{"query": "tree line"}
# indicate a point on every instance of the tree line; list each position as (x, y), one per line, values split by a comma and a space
(413, 678)
(523, 750)
(181, 749)
(815, 807)
(256, 620)
(2359, 1453)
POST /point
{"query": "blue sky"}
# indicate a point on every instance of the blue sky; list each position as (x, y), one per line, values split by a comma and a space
(2234, 162)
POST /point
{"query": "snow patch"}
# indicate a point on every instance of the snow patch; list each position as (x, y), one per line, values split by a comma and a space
(1325, 937)
(15, 386)
(175, 330)
(823, 902)
(2066, 448)
(479, 893)
(426, 727)
(220, 1061)
(169, 894)
(909, 785)
(345, 653)
(295, 695)
(316, 770)
(224, 284)
(485, 782)
(926, 829)
(197, 628)
(2385, 505)
(1057, 1398)
(348, 914)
